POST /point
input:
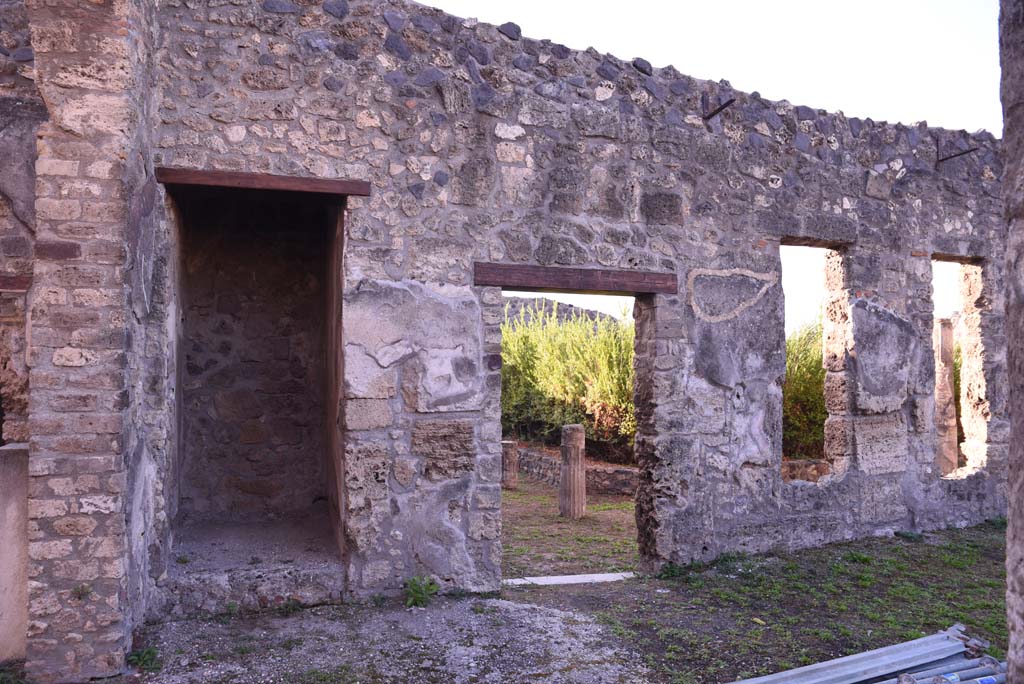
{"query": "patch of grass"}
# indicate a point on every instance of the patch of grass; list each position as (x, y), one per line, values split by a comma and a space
(146, 659)
(857, 557)
(702, 623)
(613, 506)
(419, 590)
(343, 674)
(537, 541)
(82, 592)
(481, 609)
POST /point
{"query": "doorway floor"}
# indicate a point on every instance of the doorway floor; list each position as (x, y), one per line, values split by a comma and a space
(225, 567)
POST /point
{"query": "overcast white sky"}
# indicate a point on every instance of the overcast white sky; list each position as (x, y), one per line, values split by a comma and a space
(890, 60)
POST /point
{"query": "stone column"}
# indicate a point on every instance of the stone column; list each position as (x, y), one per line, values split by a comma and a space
(88, 200)
(572, 485)
(509, 465)
(946, 446)
(1011, 43)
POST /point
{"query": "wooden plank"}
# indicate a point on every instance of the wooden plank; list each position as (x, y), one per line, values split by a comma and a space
(260, 181)
(581, 280)
(15, 283)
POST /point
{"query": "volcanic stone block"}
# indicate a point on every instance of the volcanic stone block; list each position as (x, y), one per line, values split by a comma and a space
(881, 443)
(883, 347)
(881, 500)
(448, 447)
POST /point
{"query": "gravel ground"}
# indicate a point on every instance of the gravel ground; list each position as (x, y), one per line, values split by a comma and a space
(453, 641)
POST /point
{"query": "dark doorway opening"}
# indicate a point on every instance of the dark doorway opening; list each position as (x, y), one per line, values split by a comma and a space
(258, 394)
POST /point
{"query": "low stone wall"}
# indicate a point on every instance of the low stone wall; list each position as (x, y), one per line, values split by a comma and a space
(810, 470)
(14, 557)
(615, 480)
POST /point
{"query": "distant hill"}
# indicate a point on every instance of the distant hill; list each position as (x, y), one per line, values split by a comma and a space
(514, 305)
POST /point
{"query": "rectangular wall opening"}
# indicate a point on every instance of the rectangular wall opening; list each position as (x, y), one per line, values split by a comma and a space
(569, 359)
(258, 395)
(814, 400)
(961, 409)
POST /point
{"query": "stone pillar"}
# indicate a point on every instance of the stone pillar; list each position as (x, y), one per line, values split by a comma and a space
(89, 73)
(14, 559)
(509, 465)
(946, 445)
(1011, 43)
(572, 485)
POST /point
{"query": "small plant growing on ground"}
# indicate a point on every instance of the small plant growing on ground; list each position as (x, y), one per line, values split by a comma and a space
(290, 607)
(419, 590)
(145, 659)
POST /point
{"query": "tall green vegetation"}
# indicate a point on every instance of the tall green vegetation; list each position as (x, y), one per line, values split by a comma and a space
(580, 370)
(957, 367)
(803, 395)
(575, 370)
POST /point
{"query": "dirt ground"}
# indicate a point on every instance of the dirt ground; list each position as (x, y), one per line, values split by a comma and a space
(739, 617)
(537, 541)
(749, 616)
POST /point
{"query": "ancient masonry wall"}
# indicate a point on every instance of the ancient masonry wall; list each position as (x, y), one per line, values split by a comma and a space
(481, 145)
(21, 112)
(1011, 43)
(601, 478)
(484, 145)
(95, 449)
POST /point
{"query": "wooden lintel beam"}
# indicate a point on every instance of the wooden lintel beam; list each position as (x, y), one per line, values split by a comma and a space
(580, 280)
(259, 181)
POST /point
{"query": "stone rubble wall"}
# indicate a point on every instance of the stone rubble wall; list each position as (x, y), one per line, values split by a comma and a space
(482, 144)
(808, 470)
(1011, 43)
(17, 58)
(612, 480)
(21, 112)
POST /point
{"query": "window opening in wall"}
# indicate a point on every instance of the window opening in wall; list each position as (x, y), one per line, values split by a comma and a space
(961, 411)
(812, 284)
(568, 359)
